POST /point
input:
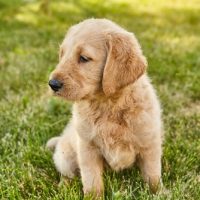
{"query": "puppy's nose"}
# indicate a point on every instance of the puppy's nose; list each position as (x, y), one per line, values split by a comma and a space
(55, 85)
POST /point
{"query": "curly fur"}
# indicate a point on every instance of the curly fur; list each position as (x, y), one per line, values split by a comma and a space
(116, 117)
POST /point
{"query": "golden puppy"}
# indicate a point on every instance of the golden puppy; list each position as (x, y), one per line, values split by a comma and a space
(116, 113)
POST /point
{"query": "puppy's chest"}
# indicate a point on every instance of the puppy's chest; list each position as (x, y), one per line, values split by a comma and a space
(116, 145)
(115, 140)
(112, 133)
(109, 127)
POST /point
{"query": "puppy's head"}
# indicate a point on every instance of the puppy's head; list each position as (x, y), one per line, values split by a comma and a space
(96, 56)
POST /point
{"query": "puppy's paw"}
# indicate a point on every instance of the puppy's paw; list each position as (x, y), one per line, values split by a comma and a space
(94, 195)
(93, 192)
(51, 144)
(155, 184)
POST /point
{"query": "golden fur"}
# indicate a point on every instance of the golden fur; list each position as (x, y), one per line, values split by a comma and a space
(116, 113)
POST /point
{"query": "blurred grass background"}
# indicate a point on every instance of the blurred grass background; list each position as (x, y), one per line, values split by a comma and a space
(30, 34)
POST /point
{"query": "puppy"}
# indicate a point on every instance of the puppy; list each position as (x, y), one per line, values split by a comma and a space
(116, 115)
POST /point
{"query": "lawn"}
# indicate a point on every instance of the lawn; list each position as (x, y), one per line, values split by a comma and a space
(30, 34)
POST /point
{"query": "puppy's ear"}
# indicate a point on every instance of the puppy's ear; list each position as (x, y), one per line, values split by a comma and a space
(125, 62)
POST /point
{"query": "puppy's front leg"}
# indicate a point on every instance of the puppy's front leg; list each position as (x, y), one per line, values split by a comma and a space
(150, 164)
(91, 167)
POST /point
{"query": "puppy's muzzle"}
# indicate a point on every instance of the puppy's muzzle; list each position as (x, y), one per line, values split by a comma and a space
(55, 85)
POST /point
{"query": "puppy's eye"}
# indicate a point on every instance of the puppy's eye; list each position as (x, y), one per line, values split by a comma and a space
(84, 59)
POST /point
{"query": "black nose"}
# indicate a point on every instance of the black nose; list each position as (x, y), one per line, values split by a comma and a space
(55, 85)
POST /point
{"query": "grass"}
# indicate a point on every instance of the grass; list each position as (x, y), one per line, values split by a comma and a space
(29, 36)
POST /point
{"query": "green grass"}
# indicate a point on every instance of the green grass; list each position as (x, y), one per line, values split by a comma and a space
(29, 38)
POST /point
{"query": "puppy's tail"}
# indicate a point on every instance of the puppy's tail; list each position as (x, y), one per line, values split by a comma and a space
(51, 144)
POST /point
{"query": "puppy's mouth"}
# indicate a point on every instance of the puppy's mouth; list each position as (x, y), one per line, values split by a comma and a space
(56, 93)
(67, 94)
(59, 92)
